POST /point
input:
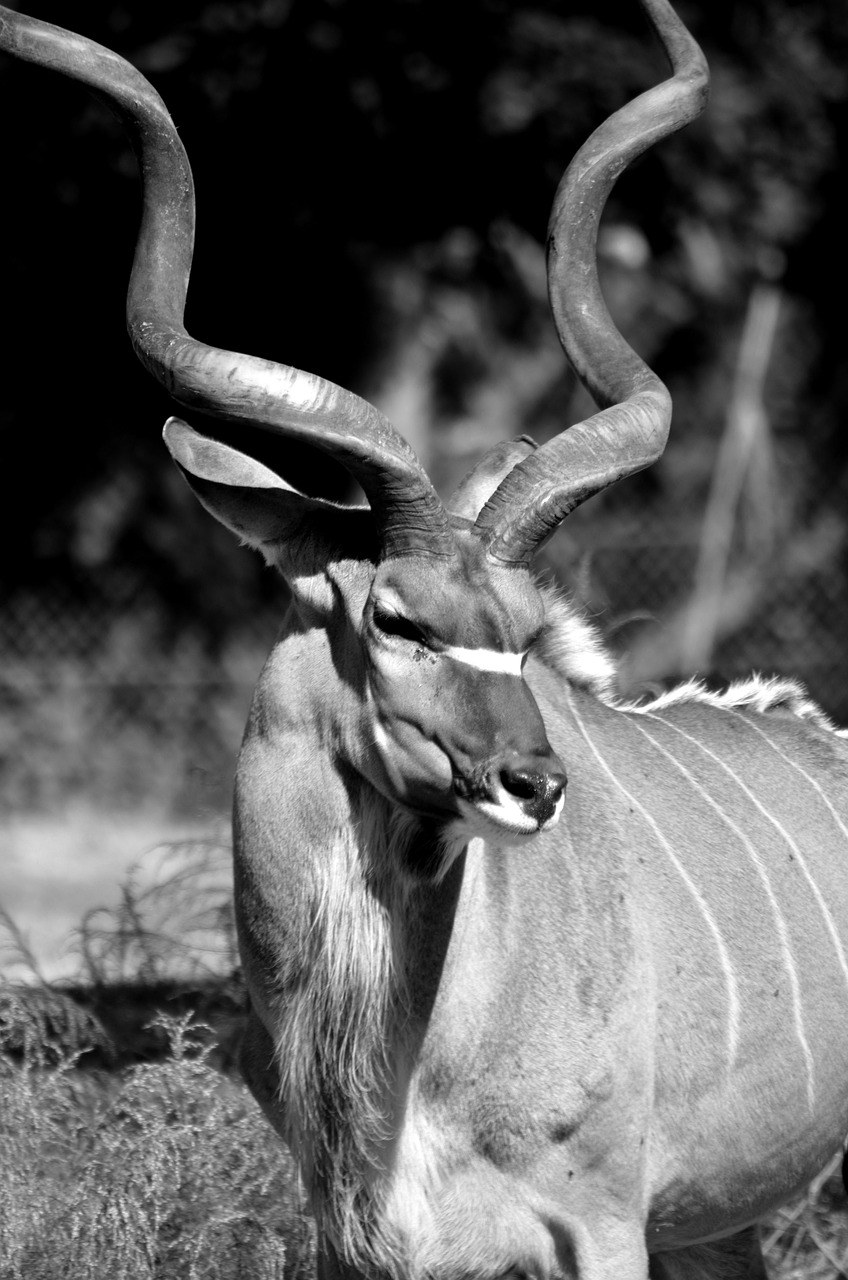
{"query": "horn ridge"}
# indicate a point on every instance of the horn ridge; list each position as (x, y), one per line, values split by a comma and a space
(631, 430)
(224, 384)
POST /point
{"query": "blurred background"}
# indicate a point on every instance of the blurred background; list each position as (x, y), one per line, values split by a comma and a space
(373, 186)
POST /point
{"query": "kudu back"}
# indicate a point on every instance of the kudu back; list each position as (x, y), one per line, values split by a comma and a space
(541, 984)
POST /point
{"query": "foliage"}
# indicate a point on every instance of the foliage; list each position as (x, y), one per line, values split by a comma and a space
(807, 1239)
(174, 920)
(168, 1171)
(374, 210)
(168, 942)
(43, 1025)
(359, 202)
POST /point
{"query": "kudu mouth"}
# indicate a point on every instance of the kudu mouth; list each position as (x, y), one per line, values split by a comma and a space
(519, 793)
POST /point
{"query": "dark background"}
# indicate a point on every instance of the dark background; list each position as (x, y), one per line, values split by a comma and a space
(373, 185)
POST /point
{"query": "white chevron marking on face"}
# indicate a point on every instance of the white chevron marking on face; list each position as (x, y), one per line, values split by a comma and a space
(506, 664)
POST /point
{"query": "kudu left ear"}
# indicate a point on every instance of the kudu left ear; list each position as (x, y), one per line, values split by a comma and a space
(475, 489)
(250, 499)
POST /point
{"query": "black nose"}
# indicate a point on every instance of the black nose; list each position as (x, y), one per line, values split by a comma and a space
(538, 790)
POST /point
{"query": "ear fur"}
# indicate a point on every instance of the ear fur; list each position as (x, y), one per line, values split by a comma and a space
(475, 489)
(251, 500)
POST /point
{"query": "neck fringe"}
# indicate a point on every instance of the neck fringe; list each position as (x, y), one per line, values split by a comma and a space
(344, 1034)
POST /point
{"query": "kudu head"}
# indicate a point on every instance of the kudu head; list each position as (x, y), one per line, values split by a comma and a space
(436, 601)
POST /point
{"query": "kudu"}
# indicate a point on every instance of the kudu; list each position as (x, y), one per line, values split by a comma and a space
(507, 1030)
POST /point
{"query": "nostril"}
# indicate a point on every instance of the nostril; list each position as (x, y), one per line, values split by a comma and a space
(521, 783)
(538, 792)
(556, 784)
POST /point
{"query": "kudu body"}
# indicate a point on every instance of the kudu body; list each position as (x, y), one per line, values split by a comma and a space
(507, 1030)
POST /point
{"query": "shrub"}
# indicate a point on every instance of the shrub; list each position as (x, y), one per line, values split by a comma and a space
(166, 1171)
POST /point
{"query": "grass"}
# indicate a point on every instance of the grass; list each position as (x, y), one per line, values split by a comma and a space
(129, 1147)
(58, 866)
(807, 1239)
(165, 1170)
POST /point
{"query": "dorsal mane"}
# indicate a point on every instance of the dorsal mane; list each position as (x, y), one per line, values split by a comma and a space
(572, 646)
(763, 694)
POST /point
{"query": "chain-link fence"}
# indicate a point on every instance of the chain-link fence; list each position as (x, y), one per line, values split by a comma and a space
(673, 604)
(99, 706)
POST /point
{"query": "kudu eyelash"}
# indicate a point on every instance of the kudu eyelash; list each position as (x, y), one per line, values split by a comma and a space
(395, 624)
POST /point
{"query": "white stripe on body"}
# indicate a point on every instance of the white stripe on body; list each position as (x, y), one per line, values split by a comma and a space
(799, 857)
(782, 930)
(507, 664)
(750, 724)
(733, 1002)
(817, 893)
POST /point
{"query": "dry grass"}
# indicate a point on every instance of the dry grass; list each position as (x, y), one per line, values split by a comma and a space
(807, 1239)
(167, 1170)
(58, 867)
(125, 1151)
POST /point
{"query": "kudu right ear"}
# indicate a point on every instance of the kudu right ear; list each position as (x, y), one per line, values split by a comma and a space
(477, 487)
(254, 502)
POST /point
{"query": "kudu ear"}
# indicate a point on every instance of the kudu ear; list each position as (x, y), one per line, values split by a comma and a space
(257, 504)
(474, 490)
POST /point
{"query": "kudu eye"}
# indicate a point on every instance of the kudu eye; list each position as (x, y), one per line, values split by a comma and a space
(395, 624)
